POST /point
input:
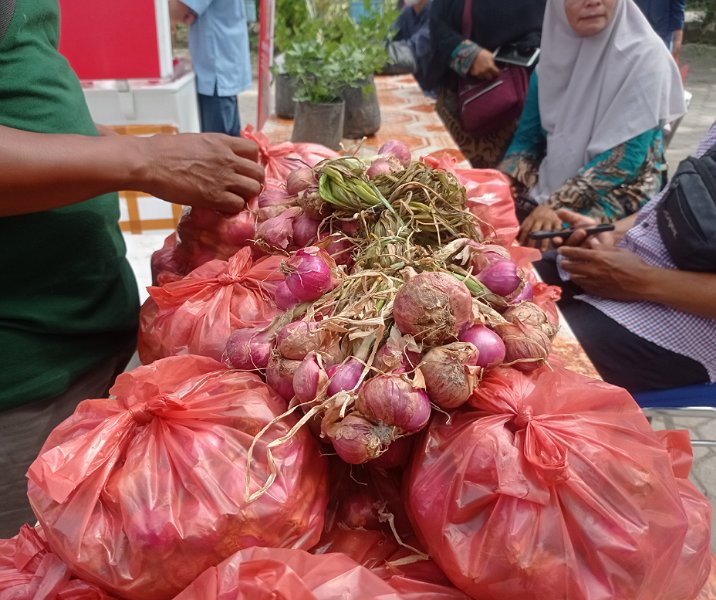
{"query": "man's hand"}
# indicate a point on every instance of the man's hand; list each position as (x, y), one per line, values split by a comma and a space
(677, 44)
(580, 237)
(484, 67)
(614, 273)
(210, 170)
(180, 13)
(541, 218)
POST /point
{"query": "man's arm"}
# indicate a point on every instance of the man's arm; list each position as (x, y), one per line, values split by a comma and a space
(180, 13)
(44, 171)
(677, 11)
(620, 274)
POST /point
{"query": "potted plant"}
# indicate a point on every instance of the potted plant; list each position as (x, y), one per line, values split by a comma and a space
(366, 43)
(319, 70)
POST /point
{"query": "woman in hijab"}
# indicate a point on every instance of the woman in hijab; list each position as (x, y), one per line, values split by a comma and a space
(495, 23)
(590, 135)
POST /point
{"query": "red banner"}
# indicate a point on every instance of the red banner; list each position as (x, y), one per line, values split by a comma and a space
(266, 22)
(116, 40)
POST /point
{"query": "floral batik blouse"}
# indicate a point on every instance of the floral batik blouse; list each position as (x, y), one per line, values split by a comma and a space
(614, 184)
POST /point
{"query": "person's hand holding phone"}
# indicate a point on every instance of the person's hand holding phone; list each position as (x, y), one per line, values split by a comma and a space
(581, 237)
(542, 218)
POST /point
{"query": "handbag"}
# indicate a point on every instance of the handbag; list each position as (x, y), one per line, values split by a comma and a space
(486, 106)
(686, 214)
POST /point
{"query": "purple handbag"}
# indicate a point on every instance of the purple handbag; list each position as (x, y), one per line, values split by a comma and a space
(486, 106)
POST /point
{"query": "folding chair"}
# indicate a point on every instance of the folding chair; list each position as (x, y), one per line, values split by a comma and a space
(687, 401)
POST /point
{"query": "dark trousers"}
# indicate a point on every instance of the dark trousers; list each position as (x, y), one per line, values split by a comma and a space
(24, 429)
(621, 357)
(219, 114)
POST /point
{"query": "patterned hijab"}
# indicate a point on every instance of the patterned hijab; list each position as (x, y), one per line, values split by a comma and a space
(598, 92)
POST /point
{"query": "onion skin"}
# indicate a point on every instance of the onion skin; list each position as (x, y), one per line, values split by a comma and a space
(490, 347)
(398, 150)
(501, 277)
(305, 230)
(308, 379)
(279, 375)
(393, 401)
(300, 179)
(449, 377)
(284, 297)
(309, 273)
(298, 338)
(525, 295)
(532, 315)
(249, 348)
(527, 348)
(380, 166)
(344, 377)
(273, 197)
(433, 307)
(355, 439)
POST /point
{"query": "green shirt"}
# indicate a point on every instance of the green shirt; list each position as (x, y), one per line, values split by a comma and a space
(68, 298)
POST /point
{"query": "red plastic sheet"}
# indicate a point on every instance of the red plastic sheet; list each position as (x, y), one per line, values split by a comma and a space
(142, 493)
(30, 571)
(555, 486)
(280, 159)
(197, 314)
(281, 574)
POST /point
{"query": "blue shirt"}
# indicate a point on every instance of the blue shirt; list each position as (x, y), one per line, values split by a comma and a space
(665, 16)
(219, 46)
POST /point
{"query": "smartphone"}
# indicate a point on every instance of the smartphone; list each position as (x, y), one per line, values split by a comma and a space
(565, 233)
(511, 55)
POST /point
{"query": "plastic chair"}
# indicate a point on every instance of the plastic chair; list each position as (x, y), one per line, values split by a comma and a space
(687, 401)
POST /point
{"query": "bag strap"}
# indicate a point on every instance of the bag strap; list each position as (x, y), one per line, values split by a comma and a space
(467, 19)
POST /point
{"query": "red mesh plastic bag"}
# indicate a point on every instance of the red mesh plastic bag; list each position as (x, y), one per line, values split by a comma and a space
(141, 493)
(280, 159)
(555, 487)
(30, 571)
(283, 574)
(197, 314)
(694, 564)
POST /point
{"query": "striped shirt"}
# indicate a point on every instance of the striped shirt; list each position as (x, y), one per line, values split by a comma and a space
(684, 333)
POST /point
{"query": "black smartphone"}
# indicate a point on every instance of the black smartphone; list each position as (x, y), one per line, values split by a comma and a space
(565, 233)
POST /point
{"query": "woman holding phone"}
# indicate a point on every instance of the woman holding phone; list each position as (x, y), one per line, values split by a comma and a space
(590, 135)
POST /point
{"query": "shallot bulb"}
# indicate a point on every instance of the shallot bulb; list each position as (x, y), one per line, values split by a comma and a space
(433, 307)
(532, 315)
(309, 273)
(249, 348)
(357, 440)
(525, 294)
(272, 197)
(489, 345)
(284, 297)
(297, 339)
(381, 166)
(450, 374)
(345, 376)
(279, 375)
(393, 401)
(397, 454)
(309, 378)
(305, 230)
(398, 150)
(526, 348)
(501, 277)
(300, 179)
(278, 231)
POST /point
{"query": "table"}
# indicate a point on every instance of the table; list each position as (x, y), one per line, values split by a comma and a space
(408, 115)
